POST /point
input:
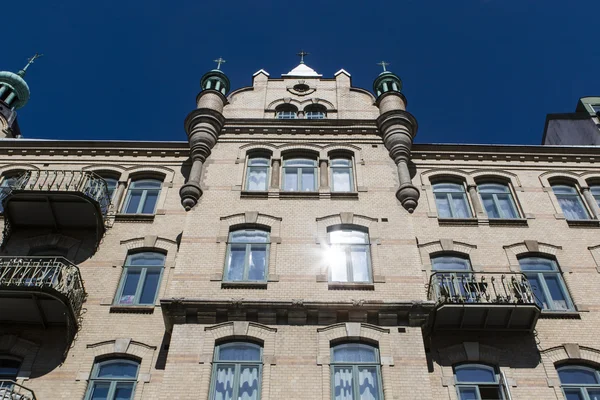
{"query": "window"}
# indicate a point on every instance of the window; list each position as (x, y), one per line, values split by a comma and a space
(579, 382)
(257, 174)
(452, 276)
(9, 369)
(349, 255)
(247, 256)
(451, 200)
(595, 190)
(478, 382)
(111, 185)
(5, 188)
(356, 372)
(286, 111)
(141, 278)
(113, 380)
(300, 174)
(547, 283)
(497, 200)
(342, 178)
(236, 372)
(596, 108)
(570, 202)
(315, 112)
(142, 196)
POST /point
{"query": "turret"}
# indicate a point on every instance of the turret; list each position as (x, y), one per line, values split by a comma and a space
(398, 129)
(203, 127)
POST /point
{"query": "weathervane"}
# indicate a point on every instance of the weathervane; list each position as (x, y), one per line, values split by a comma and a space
(302, 54)
(219, 61)
(383, 64)
(30, 61)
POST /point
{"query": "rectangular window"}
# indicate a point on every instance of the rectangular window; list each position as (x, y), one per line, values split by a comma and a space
(349, 256)
(247, 256)
(299, 174)
(341, 175)
(141, 279)
(257, 174)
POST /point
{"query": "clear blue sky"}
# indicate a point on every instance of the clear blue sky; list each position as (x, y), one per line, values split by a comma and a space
(474, 71)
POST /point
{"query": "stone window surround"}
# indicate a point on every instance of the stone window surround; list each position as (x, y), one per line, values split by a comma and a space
(582, 183)
(271, 109)
(248, 219)
(24, 350)
(445, 246)
(567, 353)
(321, 153)
(117, 348)
(470, 181)
(240, 331)
(347, 218)
(124, 177)
(146, 243)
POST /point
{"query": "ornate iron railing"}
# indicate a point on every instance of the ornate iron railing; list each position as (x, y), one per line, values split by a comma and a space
(480, 288)
(86, 182)
(47, 273)
(9, 390)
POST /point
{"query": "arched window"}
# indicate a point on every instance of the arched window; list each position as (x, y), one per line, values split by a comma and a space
(342, 178)
(497, 200)
(595, 190)
(579, 382)
(286, 111)
(355, 372)
(452, 275)
(6, 186)
(236, 373)
(113, 380)
(547, 283)
(257, 174)
(570, 202)
(111, 185)
(477, 382)
(315, 111)
(141, 278)
(247, 256)
(142, 196)
(451, 200)
(300, 175)
(349, 255)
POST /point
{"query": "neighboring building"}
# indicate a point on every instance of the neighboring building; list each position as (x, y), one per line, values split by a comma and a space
(579, 128)
(298, 246)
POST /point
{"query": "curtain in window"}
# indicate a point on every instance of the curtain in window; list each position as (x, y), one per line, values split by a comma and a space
(343, 383)
(572, 208)
(249, 383)
(224, 382)
(367, 383)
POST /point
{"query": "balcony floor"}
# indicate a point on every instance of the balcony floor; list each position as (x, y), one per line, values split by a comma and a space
(32, 307)
(497, 317)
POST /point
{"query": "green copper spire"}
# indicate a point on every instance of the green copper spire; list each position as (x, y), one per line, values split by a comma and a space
(30, 61)
(387, 81)
(216, 79)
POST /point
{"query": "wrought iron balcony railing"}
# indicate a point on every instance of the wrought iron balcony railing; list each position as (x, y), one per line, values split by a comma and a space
(10, 390)
(53, 275)
(480, 288)
(85, 182)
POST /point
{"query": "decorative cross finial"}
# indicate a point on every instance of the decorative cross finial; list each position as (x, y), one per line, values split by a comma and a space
(219, 61)
(383, 64)
(30, 61)
(302, 54)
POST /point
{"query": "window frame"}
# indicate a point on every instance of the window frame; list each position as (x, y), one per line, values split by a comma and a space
(108, 178)
(141, 281)
(15, 360)
(355, 366)
(595, 187)
(286, 111)
(237, 367)
(248, 250)
(131, 187)
(575, 195)
(448, 196)
(3, 188)
(350, 169)
(113, 382)
(494, 196)
(556, 271)
(583, 388)
(471, 384)
(316, 109)
(249, 167)
(298, 172)
(347, 249)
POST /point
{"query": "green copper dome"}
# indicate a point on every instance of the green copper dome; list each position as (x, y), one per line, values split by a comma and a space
(215, 80)
(387, 82)
(17, 85)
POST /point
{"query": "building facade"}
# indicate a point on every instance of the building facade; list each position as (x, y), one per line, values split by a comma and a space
(298, 246)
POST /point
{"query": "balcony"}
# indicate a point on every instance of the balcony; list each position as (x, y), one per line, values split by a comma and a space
(10, 390)
(56, 200)
(46, 291)
(482, 301)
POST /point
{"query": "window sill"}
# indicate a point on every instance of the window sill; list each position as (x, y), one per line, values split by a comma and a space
(572, 314)
(132, 309)
(583, 223)
(458, 221)
(508, 221)
(344, 195)
(251, 194)
(299, 195)
(244, 285)
(351, 286)
(135, 217)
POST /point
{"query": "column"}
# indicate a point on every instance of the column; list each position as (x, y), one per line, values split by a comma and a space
(323, 174)
(591, 202)
(275, 172)
(472, 188)
(121, 186)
